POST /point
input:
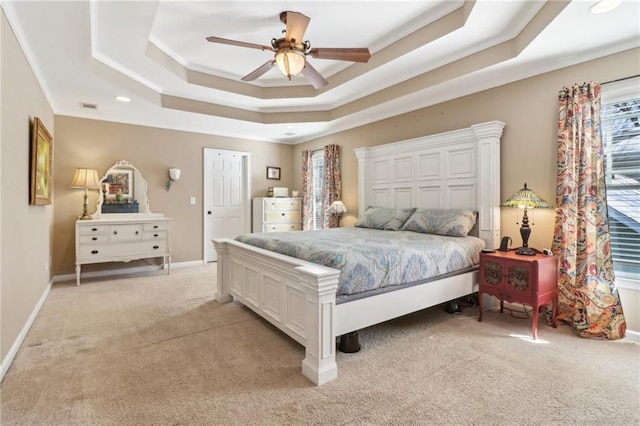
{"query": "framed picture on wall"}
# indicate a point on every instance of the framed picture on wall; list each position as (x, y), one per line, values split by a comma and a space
(120, 182)
(41, 156)
(273, 173)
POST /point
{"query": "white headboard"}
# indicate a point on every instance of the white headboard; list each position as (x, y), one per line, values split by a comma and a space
(458, 169)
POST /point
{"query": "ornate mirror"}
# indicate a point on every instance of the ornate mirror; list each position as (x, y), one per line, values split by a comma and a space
(123, 191)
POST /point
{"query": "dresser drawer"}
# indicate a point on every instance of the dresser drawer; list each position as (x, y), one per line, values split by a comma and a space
(280, 216)
(276, 204)
(94, 239)
(281, 227)
(129, 232)
(161, 226)
(93, 229)
(155, 235)
(122, 251)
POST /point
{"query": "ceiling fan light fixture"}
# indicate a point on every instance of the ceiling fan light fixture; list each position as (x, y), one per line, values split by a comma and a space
(290, 61)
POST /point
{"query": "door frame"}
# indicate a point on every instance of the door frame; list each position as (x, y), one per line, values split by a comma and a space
(208, 251)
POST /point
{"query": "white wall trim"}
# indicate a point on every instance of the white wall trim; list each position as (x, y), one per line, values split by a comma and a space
(632, 337)
(628, 283)
(124, 271)
(6, 362)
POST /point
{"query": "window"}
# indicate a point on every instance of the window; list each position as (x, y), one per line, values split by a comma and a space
(317, 173)
(620, 116)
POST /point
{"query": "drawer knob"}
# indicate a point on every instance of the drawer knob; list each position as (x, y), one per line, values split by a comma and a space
(283, 214)
(94, 229)
(156, 247)
(115, 232)
(94, 251)
(94, 238)
(155, 235)
(155, 226)
(137, 232)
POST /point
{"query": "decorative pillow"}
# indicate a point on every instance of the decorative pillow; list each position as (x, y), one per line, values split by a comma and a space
(452, 222)
(384, 218)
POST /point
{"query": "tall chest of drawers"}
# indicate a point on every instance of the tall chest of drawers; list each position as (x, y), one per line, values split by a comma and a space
(277, 214)
(122, 240)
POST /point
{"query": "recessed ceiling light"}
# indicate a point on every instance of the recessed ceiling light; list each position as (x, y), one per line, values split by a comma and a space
(289, 126)
(123, 99)
(604, 6)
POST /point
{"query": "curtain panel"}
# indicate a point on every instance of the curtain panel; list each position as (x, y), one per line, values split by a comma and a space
(332, 186)
(587, 297)
(307, 189)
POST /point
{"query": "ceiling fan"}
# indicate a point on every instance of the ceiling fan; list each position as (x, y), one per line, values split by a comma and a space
(291, 52)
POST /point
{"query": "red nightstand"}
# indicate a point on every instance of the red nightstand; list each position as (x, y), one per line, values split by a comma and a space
(522, 279)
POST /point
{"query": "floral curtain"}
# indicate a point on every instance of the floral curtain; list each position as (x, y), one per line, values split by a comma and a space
(587, 296)
(332, 186)
(307, 189)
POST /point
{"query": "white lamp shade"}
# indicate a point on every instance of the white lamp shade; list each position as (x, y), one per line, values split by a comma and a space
(337, 207)
(290, 62)
(86, 178)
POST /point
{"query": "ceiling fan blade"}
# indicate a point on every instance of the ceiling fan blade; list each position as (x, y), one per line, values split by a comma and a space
(314, 77)
(357, 54)
(296, 26)
(238, 43)
(258, 72)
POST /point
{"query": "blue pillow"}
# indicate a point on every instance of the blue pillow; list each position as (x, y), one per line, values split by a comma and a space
(451, 222)
(387, 219)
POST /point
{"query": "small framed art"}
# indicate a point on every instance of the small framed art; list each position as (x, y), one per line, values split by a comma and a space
(120, 184)
(41, 184)
(273, 173)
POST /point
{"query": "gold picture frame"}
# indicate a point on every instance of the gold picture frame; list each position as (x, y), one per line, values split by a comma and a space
(41, 185)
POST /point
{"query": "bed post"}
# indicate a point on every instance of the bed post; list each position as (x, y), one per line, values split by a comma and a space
(488, 190)
(319, 364)
(223, 272)
(361, 155)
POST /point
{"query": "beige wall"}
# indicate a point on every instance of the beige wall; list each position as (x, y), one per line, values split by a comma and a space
(99, 144)
(528, 149)
(26, 230)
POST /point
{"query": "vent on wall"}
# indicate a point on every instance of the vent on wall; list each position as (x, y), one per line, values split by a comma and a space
(88, 105)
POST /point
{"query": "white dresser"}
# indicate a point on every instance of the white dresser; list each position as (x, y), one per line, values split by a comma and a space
(122, 238)
(277, 214)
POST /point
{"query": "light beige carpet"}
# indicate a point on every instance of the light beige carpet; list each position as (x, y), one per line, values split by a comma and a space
(158, 350)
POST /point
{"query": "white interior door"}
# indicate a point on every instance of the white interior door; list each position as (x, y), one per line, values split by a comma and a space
(227, 207)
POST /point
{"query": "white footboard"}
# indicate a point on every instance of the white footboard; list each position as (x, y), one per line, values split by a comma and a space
(296, 296)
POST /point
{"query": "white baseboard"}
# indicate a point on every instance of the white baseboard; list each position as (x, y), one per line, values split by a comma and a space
(124, 271)
(6, 362)
(632, 337)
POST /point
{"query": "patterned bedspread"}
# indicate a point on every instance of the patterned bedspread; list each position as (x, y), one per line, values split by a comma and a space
(369, 258)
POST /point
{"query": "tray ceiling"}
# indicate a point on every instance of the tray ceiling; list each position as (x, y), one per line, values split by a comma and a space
(423, 53)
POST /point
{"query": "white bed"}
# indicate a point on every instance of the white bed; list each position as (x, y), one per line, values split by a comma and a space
(458, 169)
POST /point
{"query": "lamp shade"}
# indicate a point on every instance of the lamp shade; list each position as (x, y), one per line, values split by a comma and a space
(86, 178)
(526, 198)
(290, 62)
(337, 207)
